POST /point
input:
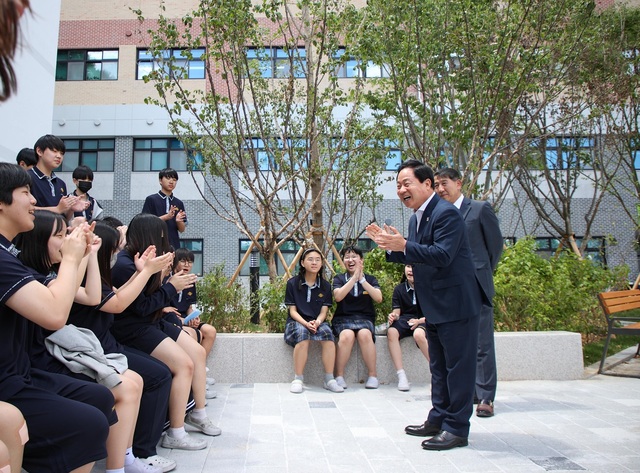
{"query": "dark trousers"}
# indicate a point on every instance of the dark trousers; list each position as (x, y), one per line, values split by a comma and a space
(452, 350)
(486, 372)
(154, 403)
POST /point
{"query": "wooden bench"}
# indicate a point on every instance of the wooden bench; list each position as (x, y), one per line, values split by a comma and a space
(615, 304)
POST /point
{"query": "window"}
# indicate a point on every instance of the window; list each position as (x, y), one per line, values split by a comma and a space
(196, 246)
(595, 250)
(351, 67)
(270, 156)
(155, 154)
(635, 152)
(98, 154)
(187, 63)
(278, 63)
(80, 64)
(393, 157)
(288, 250)
(567, 152)
(365, 244)
(633, 61)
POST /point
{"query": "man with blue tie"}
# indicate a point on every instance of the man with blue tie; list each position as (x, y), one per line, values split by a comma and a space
(449, 296)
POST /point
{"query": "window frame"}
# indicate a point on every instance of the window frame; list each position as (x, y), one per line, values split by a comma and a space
(271, 59)
(86, 61)
(192, 161)
(172, 55)
(351, 67)
(83, 151)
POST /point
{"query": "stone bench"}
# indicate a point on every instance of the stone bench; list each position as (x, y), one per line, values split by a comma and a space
(265, 358)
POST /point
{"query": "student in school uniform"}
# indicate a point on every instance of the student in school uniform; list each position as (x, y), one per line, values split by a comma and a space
(355, 316)
(167, 206)
(99, 319)
(183, 305)
(49, 190)
(68, 419)
(26, 158)
(140, 326)
(404, 321)
(308, 298)
(40, 250)
(83, 180)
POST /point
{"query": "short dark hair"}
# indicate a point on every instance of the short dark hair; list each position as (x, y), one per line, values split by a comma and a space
(182, 254)
(113, 222)
(27, 156)
(351, 249)
(50, 142)
(168, 173)
(12, 177)
(83, 172)
(420, 170)
(449, 173)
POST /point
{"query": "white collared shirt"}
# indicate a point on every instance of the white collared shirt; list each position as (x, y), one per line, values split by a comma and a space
(458, 203)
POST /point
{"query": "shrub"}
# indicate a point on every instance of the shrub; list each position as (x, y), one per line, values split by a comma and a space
(533, 293)
(226, 308)
(388, 276)
(273, 311)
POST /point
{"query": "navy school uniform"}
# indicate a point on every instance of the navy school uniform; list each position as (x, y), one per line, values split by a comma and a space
(47, 190)
(309, 301)
(404, 298)
(67, 418)
(137, 326)
(159, 204)
(93, 212)
(155, 374)
(358, 303)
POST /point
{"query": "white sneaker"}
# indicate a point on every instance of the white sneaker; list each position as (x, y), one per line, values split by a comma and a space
(403, 382)
(341, 382)
(296, 386)
(333, 386)
(372, 383)
(203, 425)
(138, 466)
(188, 442)
(211, 381)
(209, 394)
(164, 464)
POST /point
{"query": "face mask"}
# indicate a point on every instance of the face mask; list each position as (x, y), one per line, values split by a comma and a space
(114, 258)
(84, 186)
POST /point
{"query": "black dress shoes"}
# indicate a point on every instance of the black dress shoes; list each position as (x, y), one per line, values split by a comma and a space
(423, 430)
(445, 441)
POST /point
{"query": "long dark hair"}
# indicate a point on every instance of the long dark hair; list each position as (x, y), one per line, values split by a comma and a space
(33, 245)
(110, 243)
(143, 231)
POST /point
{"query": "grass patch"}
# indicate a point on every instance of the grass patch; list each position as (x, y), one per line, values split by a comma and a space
(592, 352)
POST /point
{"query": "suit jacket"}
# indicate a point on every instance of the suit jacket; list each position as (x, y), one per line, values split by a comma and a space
(445, 280)
(485, 239)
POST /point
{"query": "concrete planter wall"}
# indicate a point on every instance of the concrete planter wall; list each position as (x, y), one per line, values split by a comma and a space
(265, 358)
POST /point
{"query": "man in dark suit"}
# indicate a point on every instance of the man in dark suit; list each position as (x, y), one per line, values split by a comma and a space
(449, 297)
(486, 243)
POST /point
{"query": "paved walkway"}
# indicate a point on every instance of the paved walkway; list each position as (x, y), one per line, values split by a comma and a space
(589, 425)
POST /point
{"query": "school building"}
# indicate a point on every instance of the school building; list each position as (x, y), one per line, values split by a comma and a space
(92, 94)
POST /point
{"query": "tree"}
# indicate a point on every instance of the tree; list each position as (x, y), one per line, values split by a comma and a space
(484, 86)
(284, 145)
